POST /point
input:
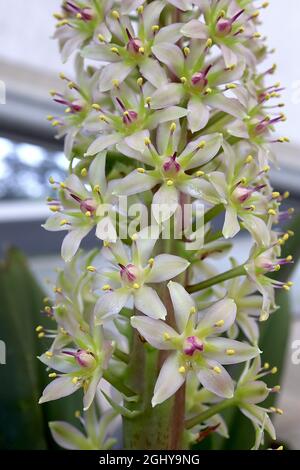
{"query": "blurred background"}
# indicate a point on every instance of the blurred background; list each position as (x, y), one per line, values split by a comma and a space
(29, 154)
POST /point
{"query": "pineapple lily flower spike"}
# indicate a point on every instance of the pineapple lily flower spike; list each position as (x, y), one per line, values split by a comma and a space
(167, 111)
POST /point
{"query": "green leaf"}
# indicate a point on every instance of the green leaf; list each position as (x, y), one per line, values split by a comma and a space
(122, 410)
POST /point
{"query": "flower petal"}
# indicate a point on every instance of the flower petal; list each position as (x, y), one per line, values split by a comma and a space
(97, 171)
(166, 115)
(182, 302)
(153, 72)
(218, 318)
(242, 351)
(169, 380)
(216, 379)
(135, 183)
(92, 388)
(259, 417)
(165, 203)
(212, 146)
(103, 142)
(166, 267)
(116, 71)
(147, 301)
(68, 437)
(195, 29)
(72, 242)
(59, 388)
(170, 55)
(137, 140)
(167, 95)
(154, 331)
(231, 223)
(110, 304)
(198, 114)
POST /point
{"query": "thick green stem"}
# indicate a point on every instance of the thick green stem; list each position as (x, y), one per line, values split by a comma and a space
(205, 415)
(232, 273)
(150, 430)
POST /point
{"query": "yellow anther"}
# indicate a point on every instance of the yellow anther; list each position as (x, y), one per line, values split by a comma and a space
(103, 118)
(273, 409)
(230, 352)
(49, 353)
(290, 283)
(200, 173)
(46, 300)
(217, 370)
(193, 311)
(231, 67)
(55, 123)
(51, 180)
(186, 51)
(271, 212)
(289, 258)
(291, 210)
(201, 144)
(255, 14)
(77, 414)
(155, 28)
(230, 86)
(63, 331)
(96, 107)
(208, 91)
(48, 309)
(115, 14)
(291, 233)
(147, 141)
(106, 287)
(91, 269)
(286, 237)
(50, 117)
(53, 375)
(63, 222)
(173, 127)
(266, 168)
(79, 16)
(277, 267)
(209, 42)
(141, 170)
(286, 287)
(243, 180)
(54, 208)
(140, 81)
(140, 10)
(115, 83)
(275, 194)
(41, 335)
(166, 336)
(68, 110)
(57, 16)
(183, 80)
(182, 370)
(142, 50)
(115, 50)
(220, 323)
(266, 365)
(279, 448)
(57, 290)
(151, 262)
(62, 23)
(170, 183)
(84, 172)
(274, 370)
(97, 188)
(279, 411)
(101, 38)
(134, 237)
(39, 328)
(286, 195)
(136, 285)
(71, 85)
(62, 185)
(265, 4)
(75, 380)
(148, 100)
(88, 213)
(280, 241)
(240, 30)
(256, 35)
(249, 159)
(276, 388)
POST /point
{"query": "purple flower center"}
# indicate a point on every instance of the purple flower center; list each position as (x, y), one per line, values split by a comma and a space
(171, 165)
(82, 357)
(128, 273)
(200, 79)
(129, 115)
(134, 44)
(224, 26)
(192, 345)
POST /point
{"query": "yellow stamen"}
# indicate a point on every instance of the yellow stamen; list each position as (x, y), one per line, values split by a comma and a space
(217, 370)
(151, 262)
(84, 172)
(182, 370)
(200, 173)
(173, 127)
(166, 336)
(106, 287)
(219, 323)
(53, 375)
(41, 335)
(170, 183)
(75, 380)
(140, 81)
(91, 269)
(230, 352)
(209, 42)
(193, 311)
(136, 285)
(115, 14)
(49, 353)
(39, 328)
(275, 194)
(201, 144)
(141, 170)
(274, 370)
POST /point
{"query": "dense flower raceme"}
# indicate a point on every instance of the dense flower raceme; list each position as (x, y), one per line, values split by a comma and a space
(168, 110)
